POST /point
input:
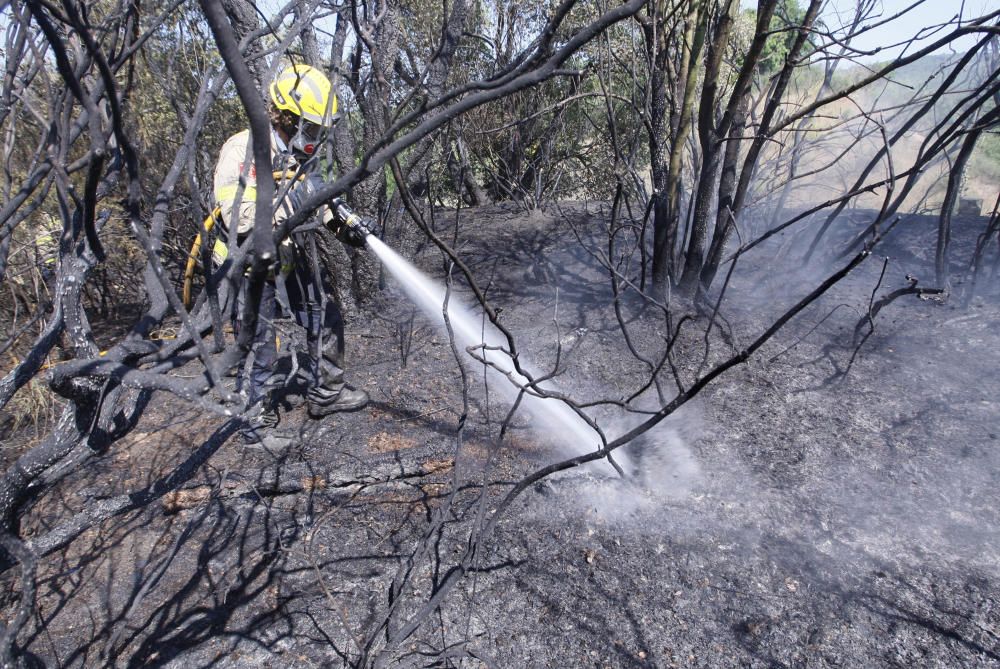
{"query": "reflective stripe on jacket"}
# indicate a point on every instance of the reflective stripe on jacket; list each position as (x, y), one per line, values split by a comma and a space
(235, 172)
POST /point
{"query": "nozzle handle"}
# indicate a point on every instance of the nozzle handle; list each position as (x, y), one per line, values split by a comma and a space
(350, 218)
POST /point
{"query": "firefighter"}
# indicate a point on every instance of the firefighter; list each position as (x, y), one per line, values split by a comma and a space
(303, 108)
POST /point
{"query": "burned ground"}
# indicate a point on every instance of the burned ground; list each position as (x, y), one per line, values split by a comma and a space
(805, 510)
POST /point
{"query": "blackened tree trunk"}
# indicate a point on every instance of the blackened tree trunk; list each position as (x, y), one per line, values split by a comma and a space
(372, 90)
(731, 203)
(955, 177)
(463, 174)
(671, 106)
(460, 170)
(343, 144)
(725, 217)
(712, 135)
(245, 20)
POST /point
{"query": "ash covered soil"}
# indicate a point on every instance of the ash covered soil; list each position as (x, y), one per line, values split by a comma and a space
(810, 508)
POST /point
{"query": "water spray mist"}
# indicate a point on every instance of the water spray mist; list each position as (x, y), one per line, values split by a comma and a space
(471, 330)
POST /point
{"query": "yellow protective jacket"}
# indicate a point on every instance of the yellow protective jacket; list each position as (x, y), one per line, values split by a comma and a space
(235, 172)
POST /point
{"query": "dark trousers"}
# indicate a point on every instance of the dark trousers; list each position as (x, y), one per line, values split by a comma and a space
(323, 325)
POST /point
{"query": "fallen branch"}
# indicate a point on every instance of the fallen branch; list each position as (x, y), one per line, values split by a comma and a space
(876, 306)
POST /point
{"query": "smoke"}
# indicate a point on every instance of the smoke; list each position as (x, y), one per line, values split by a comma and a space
(665, 471)
(863, 469)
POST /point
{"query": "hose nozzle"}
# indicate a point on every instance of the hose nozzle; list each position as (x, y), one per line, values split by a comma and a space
(351, 228)
(349, 218)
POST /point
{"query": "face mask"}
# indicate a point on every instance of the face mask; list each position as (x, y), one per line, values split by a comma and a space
(307, 138)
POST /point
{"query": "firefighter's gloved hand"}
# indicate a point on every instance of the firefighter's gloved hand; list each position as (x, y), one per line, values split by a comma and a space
(309, 185)
(351, 235)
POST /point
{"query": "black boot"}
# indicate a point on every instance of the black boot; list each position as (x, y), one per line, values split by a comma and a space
(324, 400)
(258, 430)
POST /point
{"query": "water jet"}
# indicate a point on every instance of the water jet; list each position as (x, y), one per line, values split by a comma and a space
(472, 330)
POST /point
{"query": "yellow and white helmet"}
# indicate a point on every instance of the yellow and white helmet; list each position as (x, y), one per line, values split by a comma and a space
(306, 92)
